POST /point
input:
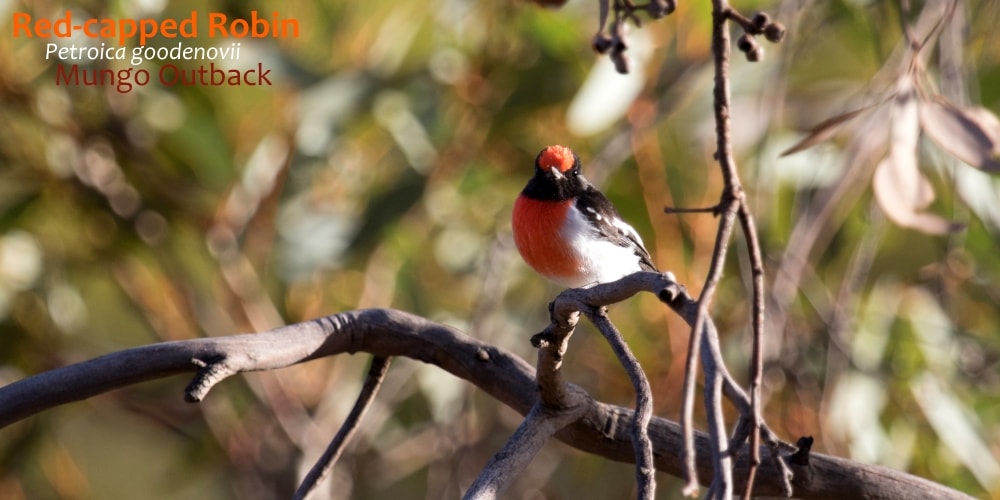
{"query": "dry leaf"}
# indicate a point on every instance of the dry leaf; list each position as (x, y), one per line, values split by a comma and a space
(900, 188)
(894, 195)
(824, 131)
(970, 134)
(987, 120)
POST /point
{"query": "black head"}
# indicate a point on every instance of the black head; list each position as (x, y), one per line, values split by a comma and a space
(558, 175)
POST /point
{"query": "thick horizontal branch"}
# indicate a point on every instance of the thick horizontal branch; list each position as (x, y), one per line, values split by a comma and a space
(603, 429)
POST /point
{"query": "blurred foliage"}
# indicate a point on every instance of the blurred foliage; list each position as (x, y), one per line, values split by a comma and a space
(379, 171)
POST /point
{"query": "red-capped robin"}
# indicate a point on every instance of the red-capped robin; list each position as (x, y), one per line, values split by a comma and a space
(569, 231)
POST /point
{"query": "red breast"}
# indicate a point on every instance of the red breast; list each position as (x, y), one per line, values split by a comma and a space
(537, 233)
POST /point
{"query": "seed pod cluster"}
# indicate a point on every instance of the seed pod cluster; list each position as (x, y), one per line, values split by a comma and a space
(614, 42)
(759, 24)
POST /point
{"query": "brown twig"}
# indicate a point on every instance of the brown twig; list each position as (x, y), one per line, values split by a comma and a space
(720, 48)
(691, 368)
(756, 355)
(732, 207)
(560, 403)
(373, 380)
(591, 302)
(643, 403)
(714, 210)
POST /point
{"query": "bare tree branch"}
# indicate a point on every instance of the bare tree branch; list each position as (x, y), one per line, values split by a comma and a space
(385, 333)
(732, 207)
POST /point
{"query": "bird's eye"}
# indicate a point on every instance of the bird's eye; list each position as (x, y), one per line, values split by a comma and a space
(575, 171)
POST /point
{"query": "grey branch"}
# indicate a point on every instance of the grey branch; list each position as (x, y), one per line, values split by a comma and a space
(602, 429)
(591, 302)
(376, 374)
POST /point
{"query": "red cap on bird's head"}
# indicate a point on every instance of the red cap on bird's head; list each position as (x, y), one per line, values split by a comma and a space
(560, 157)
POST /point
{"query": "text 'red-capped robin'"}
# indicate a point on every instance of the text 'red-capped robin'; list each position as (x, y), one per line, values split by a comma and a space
(569, 231)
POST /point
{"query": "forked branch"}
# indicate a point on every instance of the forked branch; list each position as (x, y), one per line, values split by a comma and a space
(732, 207)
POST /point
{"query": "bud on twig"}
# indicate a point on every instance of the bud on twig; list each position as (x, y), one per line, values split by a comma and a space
(746, 43)
(613, 40)
(774, 32)
(758, 24)
(749, 46)
(659, 8)
(602, 43)
(620, 34)
(621, 60)
(760, 20)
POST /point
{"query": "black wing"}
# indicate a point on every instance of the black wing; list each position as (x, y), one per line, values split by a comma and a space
(606, 220)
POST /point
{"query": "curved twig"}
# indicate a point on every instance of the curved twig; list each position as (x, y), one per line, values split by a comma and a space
(643, 402)
(591, 302)
(756, 351)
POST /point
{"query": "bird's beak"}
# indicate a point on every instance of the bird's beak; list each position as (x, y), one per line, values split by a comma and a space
(556, 174)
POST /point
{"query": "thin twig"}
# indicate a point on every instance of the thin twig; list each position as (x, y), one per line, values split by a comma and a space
(720, 48)
(643, 402)
(725, 230)
(591, 301)
(558, 404)
(756, 356)
(323, 466)
(685, 306)
(714, 210)
(745, 22)
(731, 206)
(687, 407)
(722, 481)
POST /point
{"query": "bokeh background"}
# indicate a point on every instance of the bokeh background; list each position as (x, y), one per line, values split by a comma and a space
(379, 171)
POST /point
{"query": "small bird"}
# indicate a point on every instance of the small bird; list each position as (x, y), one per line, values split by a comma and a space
(569, 231)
